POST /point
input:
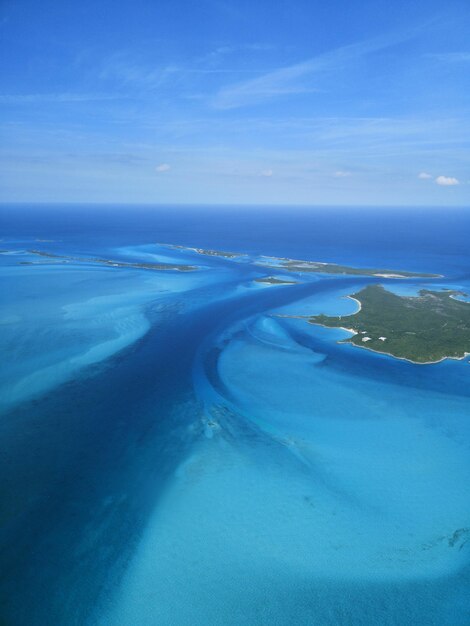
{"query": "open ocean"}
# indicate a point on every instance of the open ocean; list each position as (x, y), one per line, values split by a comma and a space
(174, 454)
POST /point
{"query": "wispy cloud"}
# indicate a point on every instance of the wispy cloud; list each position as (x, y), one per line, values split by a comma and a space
(447, 181)
(424, 176)
(130, 69)
(222, 52)
(451, 57)
(127, 70)
(40, 98)
(294, 79)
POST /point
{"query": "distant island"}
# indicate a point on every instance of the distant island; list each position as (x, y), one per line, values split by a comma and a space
(221, 253)
(111, 262)
(427, 328)
(293, 265)
(273, 280)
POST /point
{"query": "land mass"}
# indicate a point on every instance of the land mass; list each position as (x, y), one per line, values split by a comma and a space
(290, 265)
(273, 280)
(221, 253)
(112, 263)
(293, 265)
(427, 328)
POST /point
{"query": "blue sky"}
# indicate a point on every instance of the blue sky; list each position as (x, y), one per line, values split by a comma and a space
(221, 101)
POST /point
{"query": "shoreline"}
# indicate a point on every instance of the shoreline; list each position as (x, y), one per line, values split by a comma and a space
(402, 358)
(358, 302)
(365, 347)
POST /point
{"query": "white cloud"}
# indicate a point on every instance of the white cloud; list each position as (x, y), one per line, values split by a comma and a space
(163, 167)
(342, 174)
(446, 181)
(267, 173)
(424, 176)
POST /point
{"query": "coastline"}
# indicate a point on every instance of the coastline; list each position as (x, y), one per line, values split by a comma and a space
(402, 358)
(359, 303)
(338, 322)
(365, 347)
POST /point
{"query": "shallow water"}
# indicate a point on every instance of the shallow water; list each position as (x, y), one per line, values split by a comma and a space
(176, 453)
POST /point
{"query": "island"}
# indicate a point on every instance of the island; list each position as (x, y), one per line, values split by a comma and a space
(428, 328)
(221, 253)
(298, 266)
(111, 263)
(273, 280)
(292, 265)
(278, 264)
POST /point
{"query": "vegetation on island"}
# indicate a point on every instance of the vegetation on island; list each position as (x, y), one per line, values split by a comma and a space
(295, 265)
(112, 263)
(424, 329)
(332, 268)
(280, 263)
(273, 280)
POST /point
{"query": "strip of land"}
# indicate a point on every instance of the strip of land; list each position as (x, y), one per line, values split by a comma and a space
(112, 263)
(221, 253)
(298, 266)
(293, 265)
(273, 280)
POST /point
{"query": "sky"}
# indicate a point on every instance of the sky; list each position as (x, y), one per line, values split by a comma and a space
(338, 102)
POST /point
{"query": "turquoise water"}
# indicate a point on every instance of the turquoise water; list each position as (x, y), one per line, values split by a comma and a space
(174, 452)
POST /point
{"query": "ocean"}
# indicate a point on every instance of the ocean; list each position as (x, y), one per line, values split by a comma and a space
(176, 453)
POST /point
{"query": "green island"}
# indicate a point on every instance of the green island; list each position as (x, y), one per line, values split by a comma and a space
(293, 265)
(111, 263)
(273, 280)
(427, 328)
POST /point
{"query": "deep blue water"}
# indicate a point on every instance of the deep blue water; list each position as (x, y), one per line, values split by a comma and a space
(338, 234)
(172, 453)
